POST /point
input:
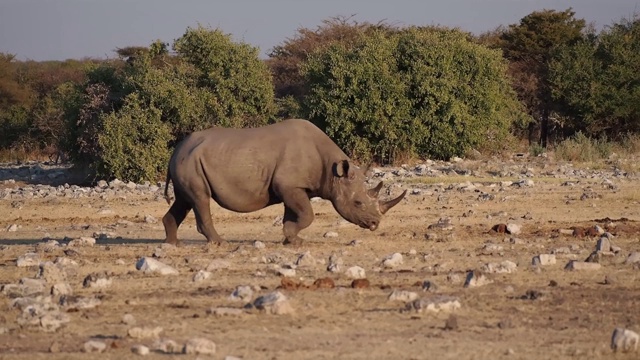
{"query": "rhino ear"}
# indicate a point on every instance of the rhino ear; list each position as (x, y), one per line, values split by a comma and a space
(341, 168)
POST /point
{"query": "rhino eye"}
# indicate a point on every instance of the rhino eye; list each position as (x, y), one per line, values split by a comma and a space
(358, 203)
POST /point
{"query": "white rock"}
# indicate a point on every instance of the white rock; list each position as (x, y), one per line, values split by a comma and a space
(286, 272)
(61, 289)
(274, 303)
(65, 261)
(402, 295)
(544, 259)
(355, 272)
(392, 261)
(505, 267)
(218, 264)
(475, 279)
(199, 346)
(97, 281)
(513, 228)
(128, 319)
(258, 244)
(306, 259)
(28, 259)
(633, 258)
(150, 265)
(12, 228)
(624, 340)
(150, 219)
(140, 350)
(603, 244)
(94, 346)
(582, 265)
(167, 346)
(201, 275)
(439, 304)
(145, 332)
(242, 292)
(51, 273)
(83, 241)
(331, 234)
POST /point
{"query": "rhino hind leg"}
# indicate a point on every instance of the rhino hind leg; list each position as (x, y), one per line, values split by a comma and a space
(298, 215)
(202, 210)
(174, 217)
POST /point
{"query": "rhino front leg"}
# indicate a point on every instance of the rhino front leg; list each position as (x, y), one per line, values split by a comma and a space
(298, 214)
(174, 217)
(204, 223)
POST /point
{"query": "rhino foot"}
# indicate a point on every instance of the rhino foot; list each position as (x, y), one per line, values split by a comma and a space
(293, 241)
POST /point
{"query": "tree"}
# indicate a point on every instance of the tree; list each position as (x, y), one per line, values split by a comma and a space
(417, 91)
(530, 46)
(597, 81)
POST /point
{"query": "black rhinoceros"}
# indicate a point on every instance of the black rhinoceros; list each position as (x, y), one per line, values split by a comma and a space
(246, 170)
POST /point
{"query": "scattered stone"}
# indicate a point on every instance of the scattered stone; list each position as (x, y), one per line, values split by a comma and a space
(83, 241)
(150, 219)
(258, 244)
(201, 275)
(360, 284)
(274, 303)
(140, 350)
(454, 278)
(475, 279)
(500, 228)
(47, 246)
(513, 229)
(218, 264)
(61, 289)
(451, 323)
(624, 340)
(392, 261)
(330, 234)
(225, 311)
(523, 183)
(150, 265)
(242, 292)
(51, 273)
(199, 346)
(429, 286)
(436, 304)
(286, 272)
(28, 259)
(144, 332)
(324, 283)
(335, 263)
(306, 259)
(603, 244)
(71, 303)
(98, 280)
(543, 260)
(491, 249)
(442, 224)
(582, 265)
(128, 319)
(505, 267)
(355, 272)
(94, 346)
(402, 295)
(65, 261)
(633, 258)
(167, 346)
(12, 228)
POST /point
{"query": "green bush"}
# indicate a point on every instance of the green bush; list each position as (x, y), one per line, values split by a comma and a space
(128, 115)
(420, 91)
(134, 141)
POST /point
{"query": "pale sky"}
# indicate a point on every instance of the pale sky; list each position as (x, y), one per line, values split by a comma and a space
(63, 29)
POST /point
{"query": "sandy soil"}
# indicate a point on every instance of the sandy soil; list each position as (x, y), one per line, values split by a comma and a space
(571, 315)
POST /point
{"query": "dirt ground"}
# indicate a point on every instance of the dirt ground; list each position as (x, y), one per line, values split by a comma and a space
(533, 313)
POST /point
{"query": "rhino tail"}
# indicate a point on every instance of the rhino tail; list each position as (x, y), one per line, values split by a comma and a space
(166, 187)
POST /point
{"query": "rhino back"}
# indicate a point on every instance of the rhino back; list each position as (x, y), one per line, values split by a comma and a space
(241, 168)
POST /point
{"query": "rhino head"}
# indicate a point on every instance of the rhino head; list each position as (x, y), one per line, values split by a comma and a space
(353, 201)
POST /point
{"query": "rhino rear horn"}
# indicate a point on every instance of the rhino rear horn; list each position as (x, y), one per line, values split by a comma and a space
(373, 192)
(386, 205)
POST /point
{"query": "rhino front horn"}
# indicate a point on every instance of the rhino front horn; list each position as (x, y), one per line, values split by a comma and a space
(386, 205)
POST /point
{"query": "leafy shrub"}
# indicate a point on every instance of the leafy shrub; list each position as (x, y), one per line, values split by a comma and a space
(420, 91)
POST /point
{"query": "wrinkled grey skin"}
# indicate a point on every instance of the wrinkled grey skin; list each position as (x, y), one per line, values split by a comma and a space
(246, 170)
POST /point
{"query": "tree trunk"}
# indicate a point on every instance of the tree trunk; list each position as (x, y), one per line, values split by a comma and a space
(544, 128)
